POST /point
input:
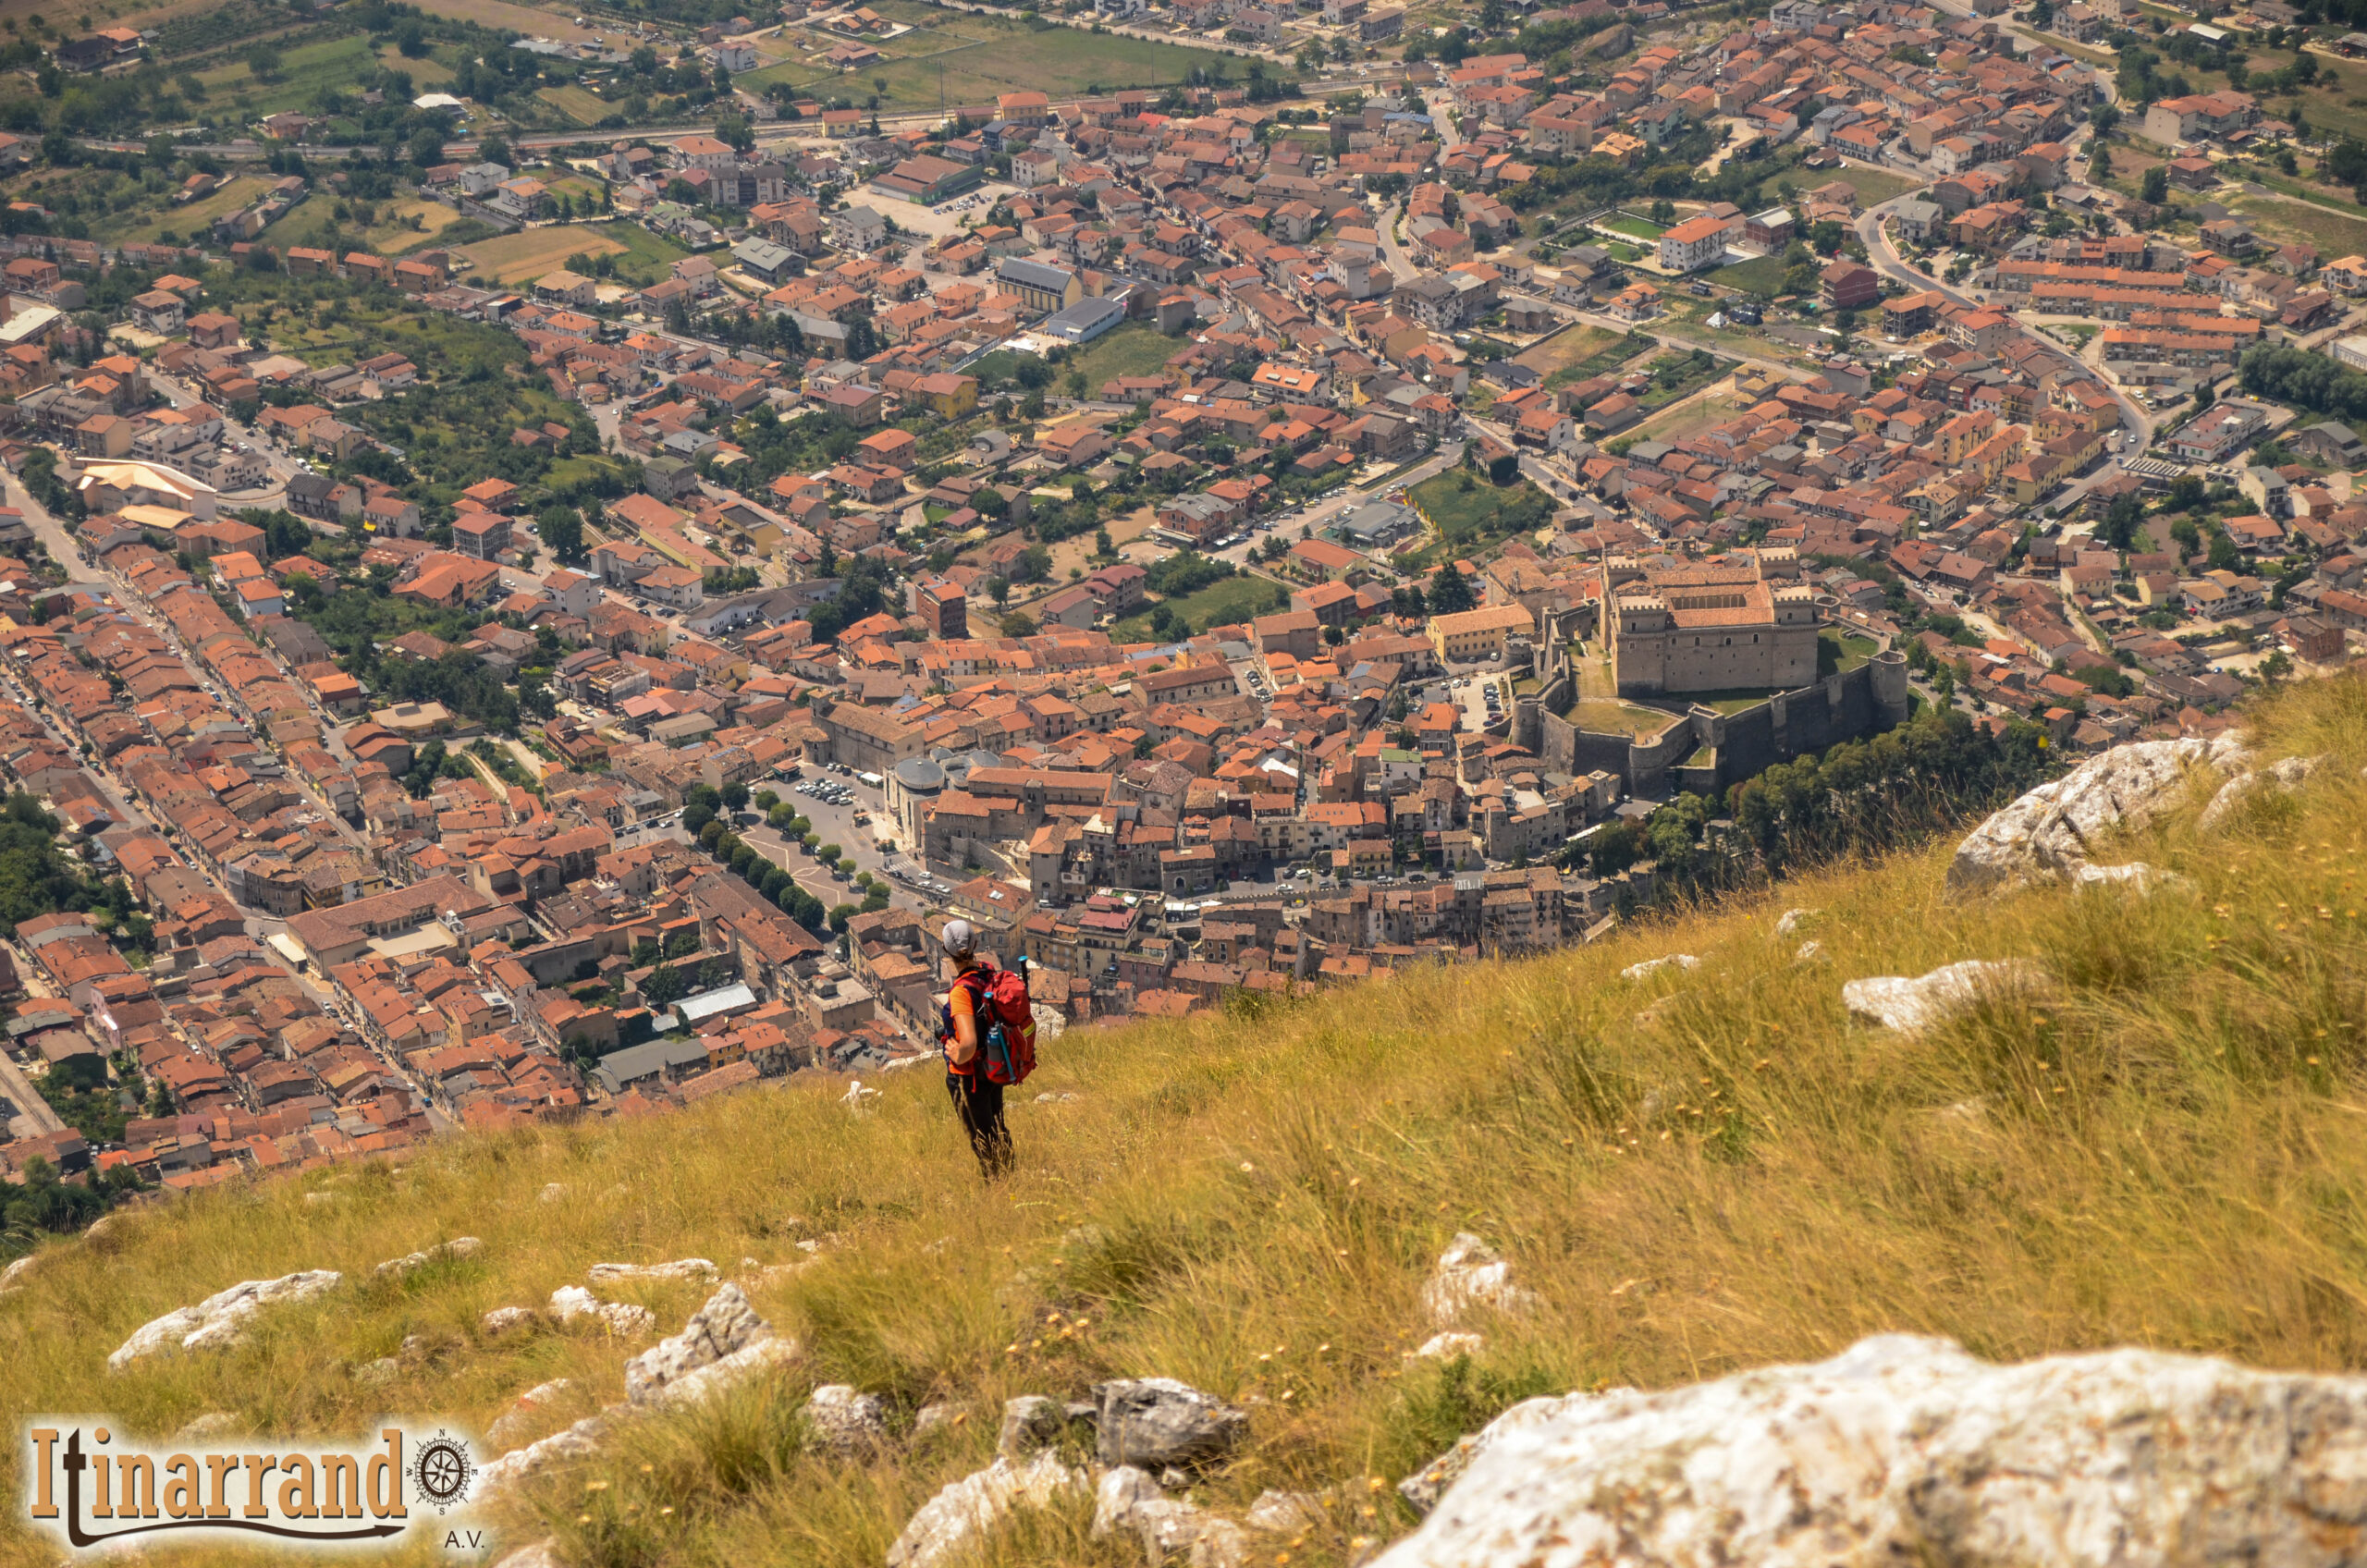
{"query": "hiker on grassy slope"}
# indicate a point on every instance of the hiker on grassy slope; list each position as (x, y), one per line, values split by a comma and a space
(963, 1030)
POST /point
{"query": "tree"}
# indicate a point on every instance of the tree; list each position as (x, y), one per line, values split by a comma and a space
(1450, 592)
(562, 528)
(2122, 520)
(735, 796)
(665, 986)
(2154, 187)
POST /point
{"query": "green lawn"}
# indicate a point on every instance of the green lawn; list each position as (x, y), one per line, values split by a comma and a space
(145, 222)
(969, 60)
(1470, 521)
(1132, 350)
(1873, 186)
(1236, 599)
(1635, 227)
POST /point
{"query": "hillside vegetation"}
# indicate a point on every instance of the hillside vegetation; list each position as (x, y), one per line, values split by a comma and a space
(2165, 1145)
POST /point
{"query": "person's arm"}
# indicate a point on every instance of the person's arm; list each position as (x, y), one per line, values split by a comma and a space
(965, 1043)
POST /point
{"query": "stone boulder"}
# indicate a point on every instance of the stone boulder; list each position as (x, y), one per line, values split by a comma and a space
(949, 1525)
(1471, 1276)
(1128, 1501)
(411, 1263)
(2053, 831)
(1447, 1346)
(742, 1366)
(1652, 966)
(506, 1320)
(725, 1324)
(525, 1412)
(627, 1273)
(222, 1318)
(1908, 1450)
(2281, 777)
(571, 1302)
(1155, 1422)
(13, 1278)
(1029, 1422)
(1789, 923)
(1898, 1002)
(845, 1420)
(579, 1441)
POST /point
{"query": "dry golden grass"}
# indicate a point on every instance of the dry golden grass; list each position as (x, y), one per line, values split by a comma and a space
(2164, 1148)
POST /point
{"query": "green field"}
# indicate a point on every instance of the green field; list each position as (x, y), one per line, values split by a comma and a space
(304, 71)
(1236, 599)
(959, 58)
(1762, 275)
(1873, 186)
(146, 222)
(579, 104)
(1472, 515)
(1132, 350)
(1635, 227)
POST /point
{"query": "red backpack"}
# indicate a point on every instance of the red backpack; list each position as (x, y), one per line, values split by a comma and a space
(1006, 1023)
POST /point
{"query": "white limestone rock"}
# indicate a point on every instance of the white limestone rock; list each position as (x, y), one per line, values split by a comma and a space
(222, 1318)
(1447, 1346)
(742, 1366)
(2280, 778)
(579, 1441)
(1128, 1501)
(858, 1099)
(1471, 1276)
(1652, 966)
(553, 1192)
(1907, 1449)
(725, 1324)
(543, 1553)
(2052, 831)
(411, 1263)
(1909, 1004)
(1029, 1422)
(210, 1427)
(844, 1419)
(525, 1412)
(506, 1320)
(625, 1273)
(571, 1302)
(13, 1278)
(1811, 951)
(1284, 1514)
(1789, 924)
(946, 1527)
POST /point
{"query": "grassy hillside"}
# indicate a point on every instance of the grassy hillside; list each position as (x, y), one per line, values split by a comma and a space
(2164, 1148)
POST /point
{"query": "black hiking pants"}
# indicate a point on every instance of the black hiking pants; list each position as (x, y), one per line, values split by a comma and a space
(978, 1104)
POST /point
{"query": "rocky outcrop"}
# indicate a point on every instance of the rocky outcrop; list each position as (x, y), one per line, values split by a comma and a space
(579, 1441)
(2281, 777)
(742, 1366)
(411, 1263)
(1447, 1346)
(525, 1412)
(1471, 1276)
(628, 1273)
(949, 1525)
(1652, 966)
(1898, 1002)
(1155, 1422)
(222, 1318)
(571, 1302)
(1907, 1449)
(845, 1420)
(2053, 831)
(1128, 1501)
(506, 1320)
(725, 1325)
(1789, 923)
(1029, 1422)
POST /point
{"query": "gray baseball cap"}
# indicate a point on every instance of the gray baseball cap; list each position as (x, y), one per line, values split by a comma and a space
(959, 938)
